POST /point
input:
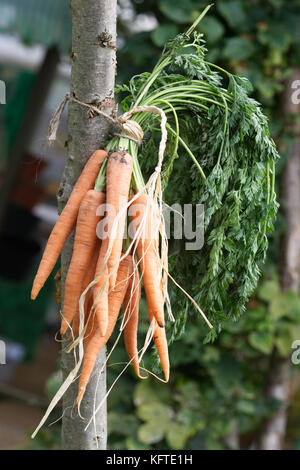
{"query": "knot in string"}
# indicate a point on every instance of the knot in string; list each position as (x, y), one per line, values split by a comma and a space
(131, 129)
(163, 126)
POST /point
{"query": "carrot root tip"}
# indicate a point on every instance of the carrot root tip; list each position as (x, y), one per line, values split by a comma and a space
(63, 330)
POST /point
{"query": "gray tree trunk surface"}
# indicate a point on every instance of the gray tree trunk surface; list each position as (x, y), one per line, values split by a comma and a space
(273, 434)
(92, 81)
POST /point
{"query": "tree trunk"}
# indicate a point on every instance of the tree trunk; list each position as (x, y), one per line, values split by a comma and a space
(93, 78)
(273, 434)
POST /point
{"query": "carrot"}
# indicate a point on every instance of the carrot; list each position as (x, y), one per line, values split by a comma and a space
(141, 212)
(160, 341)
(88, 278)
(101, 299)
(84, 243)
(131, 314)
(66, 221)
(118, 176)
(94, 343)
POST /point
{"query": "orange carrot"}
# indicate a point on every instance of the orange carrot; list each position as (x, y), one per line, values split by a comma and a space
(141, 212)
(160, 341)
(101, 299)
(94, 343)
(88, 278)
(131, 318)
(67, 219)
(118, 176)
(84, 244)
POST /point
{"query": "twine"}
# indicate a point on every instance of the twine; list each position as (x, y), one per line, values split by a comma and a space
(130, 129)
(125, 120)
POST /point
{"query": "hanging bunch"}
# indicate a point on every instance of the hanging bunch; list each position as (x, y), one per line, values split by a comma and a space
(191, 134)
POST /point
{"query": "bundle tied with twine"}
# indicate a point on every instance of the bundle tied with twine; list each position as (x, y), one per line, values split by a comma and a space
(131, 130)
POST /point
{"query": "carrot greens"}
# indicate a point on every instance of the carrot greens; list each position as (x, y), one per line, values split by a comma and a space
(219, 154)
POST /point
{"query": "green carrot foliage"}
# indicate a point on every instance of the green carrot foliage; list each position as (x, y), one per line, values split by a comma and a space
(219, 154)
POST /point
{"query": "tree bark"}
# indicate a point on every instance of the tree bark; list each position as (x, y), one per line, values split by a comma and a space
(92, 81)
(273, 434)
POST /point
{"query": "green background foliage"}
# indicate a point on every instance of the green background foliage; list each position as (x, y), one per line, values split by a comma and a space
(224, 160)
(216, 387)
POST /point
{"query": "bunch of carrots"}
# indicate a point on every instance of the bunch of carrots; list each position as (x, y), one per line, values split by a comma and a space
(105, 271)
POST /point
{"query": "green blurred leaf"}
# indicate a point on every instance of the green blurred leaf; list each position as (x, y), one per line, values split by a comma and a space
(137, 43)
(53, 383)
(295, 330)
(132, 444)
(46, 439)
(284, 340)
(247, 407)
(284, 304)
(189, 392)
(192, 417)
(163, 33)
(262, 341)
(129, 424)
(277, 3)
(149, 391)
(177, 435)
(155, 412)
(268, 290)
(226, 373)
(179, 12)
(212, 28)
(276, 36)
(233, 11)
(150, 433)
(238, 49)
(120, 395)
(268, 88)
(211, 354)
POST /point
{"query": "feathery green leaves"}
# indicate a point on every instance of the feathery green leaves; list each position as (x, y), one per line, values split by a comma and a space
(219, 154)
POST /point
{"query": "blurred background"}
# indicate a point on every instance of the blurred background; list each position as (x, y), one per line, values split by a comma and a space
(233, 394)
